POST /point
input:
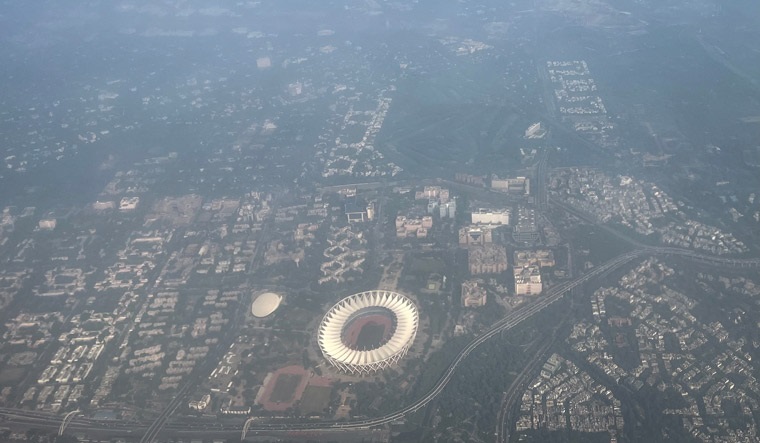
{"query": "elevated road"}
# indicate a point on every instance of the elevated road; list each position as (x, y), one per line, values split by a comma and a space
(515, 391)
(115, 427)
(700, 257)
(539, 187)
(510, 321)
(745, 263)
(158, 424)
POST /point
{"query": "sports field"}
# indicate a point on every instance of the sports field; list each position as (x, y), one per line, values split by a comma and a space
(285, 388)
(315, 399)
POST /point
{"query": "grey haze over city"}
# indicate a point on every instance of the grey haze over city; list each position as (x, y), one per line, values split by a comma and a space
(380, 221)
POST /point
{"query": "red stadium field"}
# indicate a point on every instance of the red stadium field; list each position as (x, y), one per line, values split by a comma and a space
(284, 388)
(368, 332)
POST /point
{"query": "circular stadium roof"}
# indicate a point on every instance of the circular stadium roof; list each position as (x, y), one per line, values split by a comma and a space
(265, 304)
(356, 361)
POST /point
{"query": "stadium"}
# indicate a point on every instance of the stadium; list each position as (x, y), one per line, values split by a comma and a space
(368, 331)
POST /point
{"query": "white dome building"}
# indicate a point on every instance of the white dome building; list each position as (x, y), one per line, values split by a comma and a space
(265, 304)
(368, 331)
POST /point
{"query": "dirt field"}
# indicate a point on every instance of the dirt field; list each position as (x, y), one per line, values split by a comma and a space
(284, 388)
(287, 386)
(315, 399)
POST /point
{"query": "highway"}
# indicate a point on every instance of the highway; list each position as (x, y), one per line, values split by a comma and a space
(516, 389)
(158, 424)
(749, 263)
(115, 427)
(512, 396)
(83, 424)
(542, 201)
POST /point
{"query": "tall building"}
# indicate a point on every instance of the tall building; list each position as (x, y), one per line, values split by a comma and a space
(448, 209)
(473, 293)
(528, 280)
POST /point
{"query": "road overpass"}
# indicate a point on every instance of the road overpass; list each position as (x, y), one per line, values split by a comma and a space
(552, 295)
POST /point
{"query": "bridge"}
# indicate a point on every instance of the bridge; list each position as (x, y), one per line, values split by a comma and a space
(512, 320)
(66, 420)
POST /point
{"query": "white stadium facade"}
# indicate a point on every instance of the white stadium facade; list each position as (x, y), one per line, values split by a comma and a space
(346, 331)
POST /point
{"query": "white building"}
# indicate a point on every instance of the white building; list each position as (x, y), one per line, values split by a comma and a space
(536, 130)
(295, 89)
(528, 280)
(47, 223)
(448, 209)
(263, 62)
(129, 203)
(200, 405)
(490, 216)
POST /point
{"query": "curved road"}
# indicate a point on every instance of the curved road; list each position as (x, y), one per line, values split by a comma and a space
(510, 321)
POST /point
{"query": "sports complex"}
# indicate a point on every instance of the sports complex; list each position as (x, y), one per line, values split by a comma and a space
(368, 331)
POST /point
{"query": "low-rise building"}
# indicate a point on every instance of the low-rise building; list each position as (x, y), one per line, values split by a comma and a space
(357, 211)
(475, 180)
(413, 227)
(473, 293)
(517, 185)
(528, 280)
(129, 204)
(488, 259)
(235, 410)
(432, 193)
(200, 405)
(543, 258)
(48, 224)
(483, 216)
(475, 236)
(535, 131)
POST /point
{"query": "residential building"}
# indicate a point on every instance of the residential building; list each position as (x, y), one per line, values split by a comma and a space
(488, 259)
(473, 293)
(528, 280)
(543, 258)
(475, 235)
